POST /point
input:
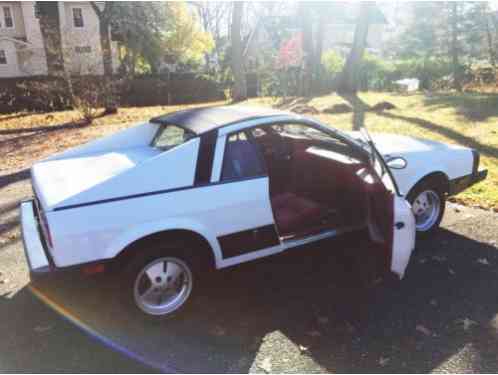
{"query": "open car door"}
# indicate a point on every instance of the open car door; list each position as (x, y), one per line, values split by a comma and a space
(391, 223)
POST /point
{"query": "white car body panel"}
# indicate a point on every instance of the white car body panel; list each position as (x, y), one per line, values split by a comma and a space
(423, 156)
(134, 136)
(403, 238)
(101, 231)
(56, 181)
(101, 197)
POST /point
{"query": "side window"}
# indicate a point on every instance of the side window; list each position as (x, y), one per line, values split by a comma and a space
(317, 139)
(169, 136)
(241, 159)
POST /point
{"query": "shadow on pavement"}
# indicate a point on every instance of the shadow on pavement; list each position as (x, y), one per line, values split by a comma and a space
(319, 308)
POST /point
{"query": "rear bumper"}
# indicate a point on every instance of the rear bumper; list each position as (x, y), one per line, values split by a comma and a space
(40, 263)
(38, 260)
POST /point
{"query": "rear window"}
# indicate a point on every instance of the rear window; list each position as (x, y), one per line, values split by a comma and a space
(169, 136)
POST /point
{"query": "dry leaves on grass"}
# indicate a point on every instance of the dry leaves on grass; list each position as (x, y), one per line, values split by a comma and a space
(266, 365)
(483, 261)
(383, 361)
(424, 330)
(466, 323)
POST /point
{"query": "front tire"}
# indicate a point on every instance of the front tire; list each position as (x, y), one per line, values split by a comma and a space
(428, 201)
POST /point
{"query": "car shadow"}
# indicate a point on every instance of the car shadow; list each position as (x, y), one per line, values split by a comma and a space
(321, 307)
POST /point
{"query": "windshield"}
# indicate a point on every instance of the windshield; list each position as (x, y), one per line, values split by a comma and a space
(169, 136)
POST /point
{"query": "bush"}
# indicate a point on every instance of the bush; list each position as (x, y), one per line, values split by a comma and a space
(427, 71)
(332, 62)
(375, 73)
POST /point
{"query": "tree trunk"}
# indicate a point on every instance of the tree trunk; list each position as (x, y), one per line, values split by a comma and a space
(457, 81)
(50, 28)
(52, 41)
(104, 17)
(317, 57)
(239, 91)
(308, 58)
(489, 38)
(348, 80)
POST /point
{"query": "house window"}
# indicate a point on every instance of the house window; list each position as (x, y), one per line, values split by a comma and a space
(78, 17)
(8, 20)
(83, 49)
(3, 57)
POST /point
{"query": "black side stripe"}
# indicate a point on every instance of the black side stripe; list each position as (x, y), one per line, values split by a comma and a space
(205, 157)
(140, 195)
(248, 241)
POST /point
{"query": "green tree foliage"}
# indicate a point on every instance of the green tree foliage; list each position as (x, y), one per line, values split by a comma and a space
(149, 31)
(332, 62)
(140, 27)
(185, 39)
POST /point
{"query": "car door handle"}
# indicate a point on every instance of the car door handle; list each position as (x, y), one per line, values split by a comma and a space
(399, 225)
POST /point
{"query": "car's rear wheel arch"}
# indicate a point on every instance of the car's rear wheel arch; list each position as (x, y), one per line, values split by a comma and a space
(195, 245)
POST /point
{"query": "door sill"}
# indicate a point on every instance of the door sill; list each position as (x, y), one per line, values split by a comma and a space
(329, 233)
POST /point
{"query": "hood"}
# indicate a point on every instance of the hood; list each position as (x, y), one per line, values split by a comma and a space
(393, 144)
(55, 181)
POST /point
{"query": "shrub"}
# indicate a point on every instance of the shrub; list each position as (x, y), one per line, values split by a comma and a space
(332, 62)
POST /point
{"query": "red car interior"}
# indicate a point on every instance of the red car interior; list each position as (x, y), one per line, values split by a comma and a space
(313, 184)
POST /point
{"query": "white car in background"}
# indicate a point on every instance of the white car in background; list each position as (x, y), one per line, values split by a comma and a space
(219, 186)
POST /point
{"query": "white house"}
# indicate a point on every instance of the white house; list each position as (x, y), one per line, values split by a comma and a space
(22, 51)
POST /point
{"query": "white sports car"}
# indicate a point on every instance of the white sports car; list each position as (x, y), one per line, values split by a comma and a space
(218, 186)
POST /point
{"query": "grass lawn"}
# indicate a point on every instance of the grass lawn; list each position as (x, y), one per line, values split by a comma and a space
(467, 119)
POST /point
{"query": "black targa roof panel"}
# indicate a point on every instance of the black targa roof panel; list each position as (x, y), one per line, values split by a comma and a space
(203, 119)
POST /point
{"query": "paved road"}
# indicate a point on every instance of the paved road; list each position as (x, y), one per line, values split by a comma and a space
(316, 309)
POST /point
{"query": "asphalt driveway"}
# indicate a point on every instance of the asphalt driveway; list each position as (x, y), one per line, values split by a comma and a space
(315, 309)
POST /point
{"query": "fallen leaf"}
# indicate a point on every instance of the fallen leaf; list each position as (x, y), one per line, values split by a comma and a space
(377, 281)
(483, 261)
(41, 329)
(266, 365)
(384, 361)
(218, 331)
(420, 328)
(350, 327)
(467, 323)
(303, 349)
(439, 258)
(314, 333)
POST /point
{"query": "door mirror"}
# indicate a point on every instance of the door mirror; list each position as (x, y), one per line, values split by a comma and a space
(396, 162)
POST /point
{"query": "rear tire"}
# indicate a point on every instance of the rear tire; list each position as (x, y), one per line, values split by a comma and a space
(428, 201)
(160, 284)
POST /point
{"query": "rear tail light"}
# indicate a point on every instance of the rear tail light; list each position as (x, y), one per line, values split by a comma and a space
(46, 229)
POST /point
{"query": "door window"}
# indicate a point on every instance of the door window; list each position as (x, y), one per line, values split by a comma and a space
(242, 159)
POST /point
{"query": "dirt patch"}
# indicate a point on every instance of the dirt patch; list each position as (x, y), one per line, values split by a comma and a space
(305, 109)
(338, 108)
(383, 106)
